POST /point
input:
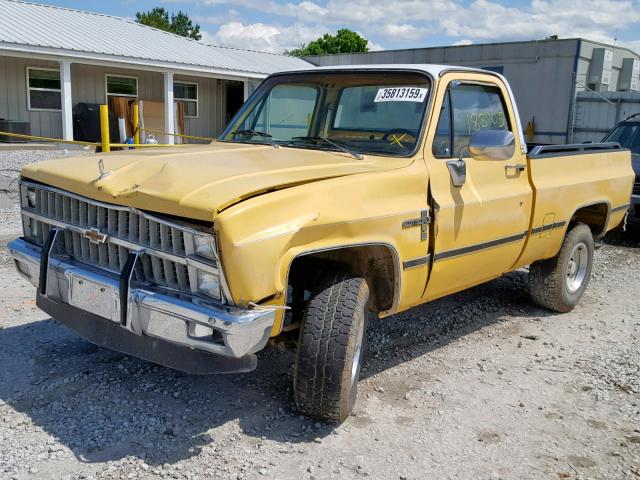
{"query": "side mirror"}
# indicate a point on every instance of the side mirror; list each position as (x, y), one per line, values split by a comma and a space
(492, 145)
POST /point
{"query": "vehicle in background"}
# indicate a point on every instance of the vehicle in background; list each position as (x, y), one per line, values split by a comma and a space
(333, 193)
(627, 134)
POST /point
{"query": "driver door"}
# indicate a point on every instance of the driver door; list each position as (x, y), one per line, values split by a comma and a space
(480, 227)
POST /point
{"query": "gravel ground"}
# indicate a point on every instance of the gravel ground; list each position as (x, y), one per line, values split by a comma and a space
(479, 385)
(11, 161)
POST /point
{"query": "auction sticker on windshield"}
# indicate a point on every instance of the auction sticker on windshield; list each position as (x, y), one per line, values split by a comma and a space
(401, 94)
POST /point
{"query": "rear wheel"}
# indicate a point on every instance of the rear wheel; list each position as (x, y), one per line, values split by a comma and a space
(330, 347)
(559, 282)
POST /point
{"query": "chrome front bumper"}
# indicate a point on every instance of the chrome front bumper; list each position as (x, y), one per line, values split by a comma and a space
(199, 325)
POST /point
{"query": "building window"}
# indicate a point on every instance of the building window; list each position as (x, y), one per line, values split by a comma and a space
(187, 93)
(43, 85)
(120, 86)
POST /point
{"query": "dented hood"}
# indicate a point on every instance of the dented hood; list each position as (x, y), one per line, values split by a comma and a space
(198, 181)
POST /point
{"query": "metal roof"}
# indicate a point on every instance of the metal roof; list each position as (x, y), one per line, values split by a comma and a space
(75, 34)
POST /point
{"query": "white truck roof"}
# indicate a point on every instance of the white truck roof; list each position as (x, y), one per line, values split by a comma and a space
(433, 69)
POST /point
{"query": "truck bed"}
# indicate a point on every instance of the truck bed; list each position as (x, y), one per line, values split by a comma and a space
(592, 176)
(545, 151)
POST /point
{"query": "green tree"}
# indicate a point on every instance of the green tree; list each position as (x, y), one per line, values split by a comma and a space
(180, 23)
(344, 41)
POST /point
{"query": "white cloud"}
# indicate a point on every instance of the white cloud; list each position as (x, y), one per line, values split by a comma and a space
(476, 22)
(487, 20)
(400, 31)
(373, 46)
(464, 41)
(262, 37)
(632, 45)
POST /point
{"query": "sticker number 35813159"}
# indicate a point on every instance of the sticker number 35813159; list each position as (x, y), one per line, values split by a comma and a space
(401, 94)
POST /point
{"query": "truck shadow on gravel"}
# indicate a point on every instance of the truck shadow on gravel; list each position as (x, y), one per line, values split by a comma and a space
(105, 406)
(629, 238)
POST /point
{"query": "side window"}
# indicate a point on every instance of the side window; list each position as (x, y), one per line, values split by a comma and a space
(442, 140)
(476, 107)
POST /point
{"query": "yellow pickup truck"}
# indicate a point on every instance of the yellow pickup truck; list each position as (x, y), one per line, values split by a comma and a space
(334, 192)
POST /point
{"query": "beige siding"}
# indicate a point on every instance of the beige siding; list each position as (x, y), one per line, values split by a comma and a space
(88, 85)
(13, 97)
(210, 121)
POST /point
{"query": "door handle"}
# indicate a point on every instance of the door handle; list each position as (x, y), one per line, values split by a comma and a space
(458, 172)
(519, 167)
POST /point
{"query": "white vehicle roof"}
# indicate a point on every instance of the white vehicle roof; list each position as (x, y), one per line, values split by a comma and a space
(433, 69)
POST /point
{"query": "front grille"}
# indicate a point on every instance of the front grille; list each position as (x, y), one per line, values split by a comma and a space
(636, 186)
(116, 221)
(133, 228)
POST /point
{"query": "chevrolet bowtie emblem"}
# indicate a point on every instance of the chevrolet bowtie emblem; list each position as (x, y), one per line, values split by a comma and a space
(101, 169)
(95, 236)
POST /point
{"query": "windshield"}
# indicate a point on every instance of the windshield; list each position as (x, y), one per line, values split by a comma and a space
(362, 112)
(627, 135)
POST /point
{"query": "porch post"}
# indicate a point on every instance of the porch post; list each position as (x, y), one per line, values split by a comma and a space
(169, 113)
(246, 89)
(67, 104)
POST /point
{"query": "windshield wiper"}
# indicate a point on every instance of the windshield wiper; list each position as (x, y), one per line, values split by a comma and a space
(257, 133)
(345, 149)
(252, 132)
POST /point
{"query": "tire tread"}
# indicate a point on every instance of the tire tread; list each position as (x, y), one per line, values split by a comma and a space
(546, 277)
(322, 353)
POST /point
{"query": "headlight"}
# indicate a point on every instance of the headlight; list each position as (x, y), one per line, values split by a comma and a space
(203, 246)
(209, 284)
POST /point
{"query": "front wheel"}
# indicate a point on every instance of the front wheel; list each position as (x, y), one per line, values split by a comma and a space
(330, 348)
(559, 282)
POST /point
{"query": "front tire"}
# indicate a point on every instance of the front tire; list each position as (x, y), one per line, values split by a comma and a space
(559, 282)
(330, 348)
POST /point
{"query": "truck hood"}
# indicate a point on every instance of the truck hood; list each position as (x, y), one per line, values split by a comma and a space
(198, 181)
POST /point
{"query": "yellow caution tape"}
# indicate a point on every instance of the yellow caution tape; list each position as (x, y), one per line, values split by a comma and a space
(149, 145)
(91, 144)
(177, 134)
(47, 139)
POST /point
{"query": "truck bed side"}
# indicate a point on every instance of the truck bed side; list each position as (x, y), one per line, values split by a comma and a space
(590, 183)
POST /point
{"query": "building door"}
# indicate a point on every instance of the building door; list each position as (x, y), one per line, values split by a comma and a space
(234, 97)
(480, 227)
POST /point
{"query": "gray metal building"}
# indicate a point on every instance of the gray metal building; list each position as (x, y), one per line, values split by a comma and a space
(53, 58)
(569, 89)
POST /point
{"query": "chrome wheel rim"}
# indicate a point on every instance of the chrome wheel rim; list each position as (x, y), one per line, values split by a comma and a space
(357, 354)
(577, 267)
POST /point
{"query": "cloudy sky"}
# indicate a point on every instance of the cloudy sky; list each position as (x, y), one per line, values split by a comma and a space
(277, 25)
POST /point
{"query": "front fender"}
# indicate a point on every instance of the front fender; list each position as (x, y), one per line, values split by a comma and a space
(260, 238)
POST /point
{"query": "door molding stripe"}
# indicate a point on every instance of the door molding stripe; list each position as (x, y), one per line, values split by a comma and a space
(551, 226)
(416, 262)
(480, 246)
(621, 207)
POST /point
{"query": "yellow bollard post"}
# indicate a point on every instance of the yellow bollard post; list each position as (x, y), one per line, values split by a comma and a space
(136, 124)
(104, 128)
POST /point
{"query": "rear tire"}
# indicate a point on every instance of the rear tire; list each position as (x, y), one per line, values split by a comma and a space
(330, 348)
(559, 282)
